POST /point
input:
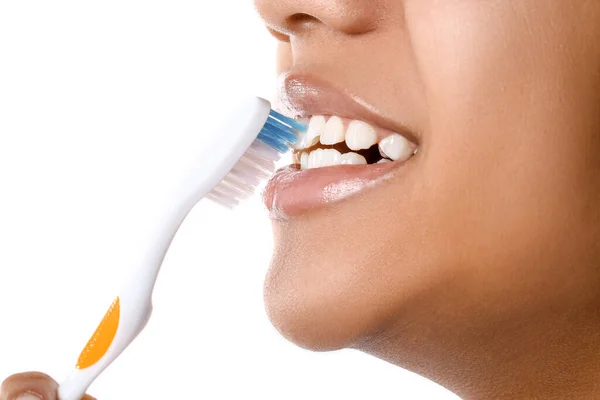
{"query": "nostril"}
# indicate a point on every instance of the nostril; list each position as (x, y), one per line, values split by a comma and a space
(292, 25)
(295, 18)
(299, 20)
(282, 37)
(301, 17)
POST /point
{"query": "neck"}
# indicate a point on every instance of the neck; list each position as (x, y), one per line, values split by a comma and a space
(546, 356)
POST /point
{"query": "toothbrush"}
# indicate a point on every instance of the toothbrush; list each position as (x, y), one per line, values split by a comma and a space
(239, 156)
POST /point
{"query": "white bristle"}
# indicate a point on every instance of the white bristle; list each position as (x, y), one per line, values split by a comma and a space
(256, 166)
(258, 163)
(223, 200)
(259, 159)
(266, 151)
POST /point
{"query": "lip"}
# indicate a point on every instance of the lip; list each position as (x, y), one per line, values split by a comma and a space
(301, 95)
(292, 191)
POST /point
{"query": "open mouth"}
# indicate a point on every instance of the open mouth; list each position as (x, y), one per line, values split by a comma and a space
(335, 159)
(332, 140)
(347, 148)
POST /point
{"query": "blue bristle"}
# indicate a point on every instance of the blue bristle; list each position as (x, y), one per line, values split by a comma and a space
(289, 121)
(280, 135)
(280, 132)
(290, 135)
(273, 141)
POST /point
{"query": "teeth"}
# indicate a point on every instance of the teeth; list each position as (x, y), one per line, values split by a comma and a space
(396, 147)
(353, 159)
(316, 127)
(360, 135)
(330, 157)
(312, 159)
(304, 161)
(333, 132)
(323, 158)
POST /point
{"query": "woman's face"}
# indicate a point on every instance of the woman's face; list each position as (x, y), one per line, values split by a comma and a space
(493, 223)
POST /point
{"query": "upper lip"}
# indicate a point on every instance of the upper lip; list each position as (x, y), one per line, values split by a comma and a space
(303, 95)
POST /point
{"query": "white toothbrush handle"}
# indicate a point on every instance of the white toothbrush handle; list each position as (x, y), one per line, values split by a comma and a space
(130, 311)
(126, 317)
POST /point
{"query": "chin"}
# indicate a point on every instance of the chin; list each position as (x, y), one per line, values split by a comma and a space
(307, 314)
(323, 293)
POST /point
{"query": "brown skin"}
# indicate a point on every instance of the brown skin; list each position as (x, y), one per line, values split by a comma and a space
(478, 265)
(31, 383)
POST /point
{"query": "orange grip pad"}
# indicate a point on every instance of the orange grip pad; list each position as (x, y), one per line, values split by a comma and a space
(101, 339)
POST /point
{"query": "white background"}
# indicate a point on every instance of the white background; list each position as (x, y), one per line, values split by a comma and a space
(99, 102)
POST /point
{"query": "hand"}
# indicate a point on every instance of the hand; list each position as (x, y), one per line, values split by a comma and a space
(31, 386)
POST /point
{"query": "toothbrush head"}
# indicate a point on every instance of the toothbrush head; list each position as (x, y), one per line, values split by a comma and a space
(276, 137)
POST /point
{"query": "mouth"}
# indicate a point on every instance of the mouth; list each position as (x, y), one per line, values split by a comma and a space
(347, 149)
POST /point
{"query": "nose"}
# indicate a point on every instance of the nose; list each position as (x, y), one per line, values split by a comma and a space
(297, 17)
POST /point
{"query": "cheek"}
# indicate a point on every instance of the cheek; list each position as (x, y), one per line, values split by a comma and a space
(506, 160)
(467, 51)
(494, 210)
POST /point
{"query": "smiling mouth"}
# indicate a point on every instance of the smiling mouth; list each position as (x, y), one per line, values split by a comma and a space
(347, 149)
(333, 140)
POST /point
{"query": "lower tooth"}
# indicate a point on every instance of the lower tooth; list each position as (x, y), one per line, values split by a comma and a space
(353, 159)
(383, 161)
(324, 158)
(314, 159)
(304, 161)
(330, 157)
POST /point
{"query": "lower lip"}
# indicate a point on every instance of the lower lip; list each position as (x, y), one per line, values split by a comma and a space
(293, 191)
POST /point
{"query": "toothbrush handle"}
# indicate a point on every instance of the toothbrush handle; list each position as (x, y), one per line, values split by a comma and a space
(130, 311)
(123, 321)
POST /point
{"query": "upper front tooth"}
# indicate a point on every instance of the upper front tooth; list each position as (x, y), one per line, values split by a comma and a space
(396, 147)
(353, 159)
(315, 129)
(334, 131)
(360, 135)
